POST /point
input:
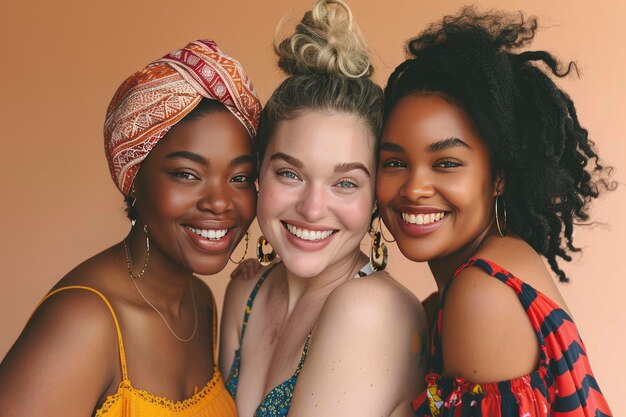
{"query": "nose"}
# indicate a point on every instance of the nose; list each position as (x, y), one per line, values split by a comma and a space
(215, 198)
(313, 204)
(417, 186)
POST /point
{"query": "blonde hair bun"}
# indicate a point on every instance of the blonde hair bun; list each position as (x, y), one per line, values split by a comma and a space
(326, 41)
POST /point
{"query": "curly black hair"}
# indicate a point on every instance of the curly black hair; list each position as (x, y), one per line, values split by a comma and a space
(530, 126)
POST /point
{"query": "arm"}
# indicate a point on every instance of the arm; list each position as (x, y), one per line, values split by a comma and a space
(64, 360)
(365, 354)
(487, 335)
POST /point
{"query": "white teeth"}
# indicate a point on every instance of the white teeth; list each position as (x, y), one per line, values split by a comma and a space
(209, 233)
(305, 234)
(423, 218)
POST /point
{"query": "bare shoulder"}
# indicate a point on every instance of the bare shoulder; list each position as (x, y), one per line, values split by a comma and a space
(69, 345)
(379, 287)
(376, 299)
(367, 341)
(486, 333)
(238, 290)
(520, 259)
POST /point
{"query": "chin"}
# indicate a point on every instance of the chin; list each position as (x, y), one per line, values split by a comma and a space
(415, 253)
(304, 266)
(211, 267)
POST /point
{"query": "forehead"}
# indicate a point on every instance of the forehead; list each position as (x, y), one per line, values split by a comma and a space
(324, 138)
(428, 118)
(213, 135)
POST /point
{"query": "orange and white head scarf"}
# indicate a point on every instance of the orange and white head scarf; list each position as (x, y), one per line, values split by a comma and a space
(154, 99)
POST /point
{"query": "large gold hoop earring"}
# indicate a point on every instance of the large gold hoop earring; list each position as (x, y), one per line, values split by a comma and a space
(129, 260)
(265, 258)
(501, 225)
(245, 251)
(378, 250)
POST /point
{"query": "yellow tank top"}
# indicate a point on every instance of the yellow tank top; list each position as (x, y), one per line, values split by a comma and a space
(211, 401)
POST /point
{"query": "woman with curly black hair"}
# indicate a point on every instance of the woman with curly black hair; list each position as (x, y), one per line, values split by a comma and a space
(484, 168)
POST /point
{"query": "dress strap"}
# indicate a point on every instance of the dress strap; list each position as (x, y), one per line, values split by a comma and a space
(525, 293)
(120, 343)
(214, 314)
(305, 351)
(255, 290)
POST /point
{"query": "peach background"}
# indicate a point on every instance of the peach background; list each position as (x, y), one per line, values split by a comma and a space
(62, 61)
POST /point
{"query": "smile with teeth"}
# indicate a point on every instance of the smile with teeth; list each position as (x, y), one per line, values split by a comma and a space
(212, 234)
(426, 218)
(306, 234)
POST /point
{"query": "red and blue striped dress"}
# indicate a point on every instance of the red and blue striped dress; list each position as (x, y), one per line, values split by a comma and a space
(563, 384)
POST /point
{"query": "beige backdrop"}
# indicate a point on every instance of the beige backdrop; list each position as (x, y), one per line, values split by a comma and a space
(62, 61)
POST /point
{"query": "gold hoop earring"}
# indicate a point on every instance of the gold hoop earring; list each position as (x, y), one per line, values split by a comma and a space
(265, 258)
(502, 228)
(378, 251)
(129, 259)
(245, 251)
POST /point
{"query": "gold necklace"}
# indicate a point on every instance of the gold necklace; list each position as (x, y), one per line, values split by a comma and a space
(193, 299)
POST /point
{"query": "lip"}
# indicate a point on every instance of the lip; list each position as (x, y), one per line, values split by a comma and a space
(419, 209)
(209, 245)
(307, 245)
(419, 229)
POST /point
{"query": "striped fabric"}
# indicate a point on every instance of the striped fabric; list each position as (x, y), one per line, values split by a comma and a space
(563, 384)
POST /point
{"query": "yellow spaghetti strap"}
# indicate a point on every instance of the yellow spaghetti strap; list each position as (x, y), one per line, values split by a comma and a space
(120, 343)
(214, 308)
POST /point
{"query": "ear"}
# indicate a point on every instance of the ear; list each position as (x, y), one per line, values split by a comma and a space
(499, 184)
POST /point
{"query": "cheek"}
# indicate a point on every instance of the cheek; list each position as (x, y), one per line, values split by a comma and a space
(272, 199)
(245, 202)
(168, 200)
(386, 189)
(470, 195)
(355, 214)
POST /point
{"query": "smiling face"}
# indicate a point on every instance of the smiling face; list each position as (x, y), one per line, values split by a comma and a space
(316, 190)
(195, 191)
(435, 185)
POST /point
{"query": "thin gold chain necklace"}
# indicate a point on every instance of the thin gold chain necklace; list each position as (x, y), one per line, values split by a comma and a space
(193, 299)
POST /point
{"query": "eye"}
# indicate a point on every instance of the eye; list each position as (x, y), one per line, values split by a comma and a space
(393, 163)
(242, 178)
(447, 164)
(184, 175)
(346, 184)
(288, 174)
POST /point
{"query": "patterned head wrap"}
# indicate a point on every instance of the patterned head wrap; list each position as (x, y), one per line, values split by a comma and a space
(154, 99)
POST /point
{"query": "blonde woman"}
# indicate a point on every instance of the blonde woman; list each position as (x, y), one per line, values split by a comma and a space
(322, 333)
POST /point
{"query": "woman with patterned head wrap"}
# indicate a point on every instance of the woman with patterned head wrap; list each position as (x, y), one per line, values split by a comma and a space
(131, 331)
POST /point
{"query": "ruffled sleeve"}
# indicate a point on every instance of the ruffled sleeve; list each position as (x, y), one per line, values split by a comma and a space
(455, 397)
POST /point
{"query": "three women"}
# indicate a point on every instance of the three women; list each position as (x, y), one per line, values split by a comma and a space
(468, 123)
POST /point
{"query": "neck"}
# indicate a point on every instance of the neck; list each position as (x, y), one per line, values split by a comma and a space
(443, 268)
(164, 282)
(319, 286)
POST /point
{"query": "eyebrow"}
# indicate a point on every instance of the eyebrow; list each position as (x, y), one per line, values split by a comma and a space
(339, 168)
(243, 159)
(391, 147)
(444, 144)
(192, 156)
(438, 146)
(349, 166)
(287, 158)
